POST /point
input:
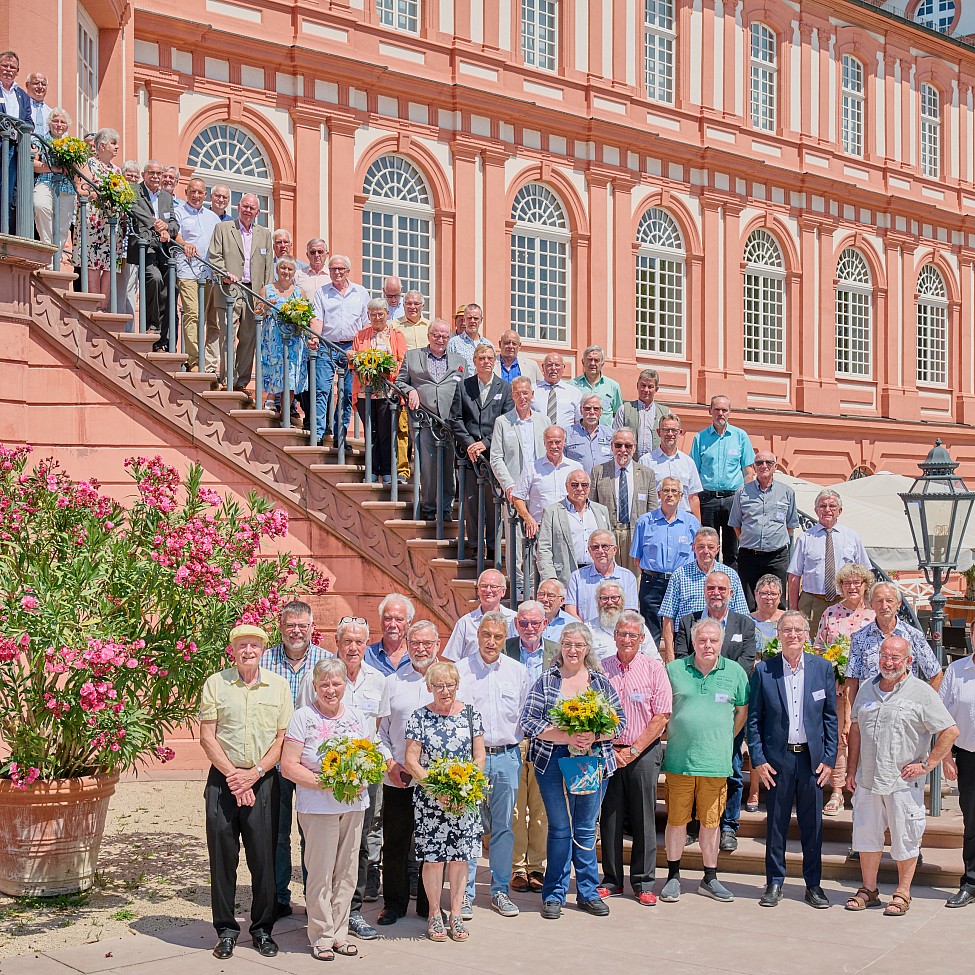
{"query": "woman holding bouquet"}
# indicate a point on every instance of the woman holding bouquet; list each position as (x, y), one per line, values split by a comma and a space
(332, 828)
(842, 620)
(53, 188)
(380, 335)
(571, 818)
(273, 340)
(444, 729)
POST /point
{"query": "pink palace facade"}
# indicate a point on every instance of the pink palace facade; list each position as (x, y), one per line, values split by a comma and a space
(766, 198)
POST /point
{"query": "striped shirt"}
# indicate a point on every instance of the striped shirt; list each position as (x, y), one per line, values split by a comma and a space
(274, 660)
(644, 691)
(685, 591)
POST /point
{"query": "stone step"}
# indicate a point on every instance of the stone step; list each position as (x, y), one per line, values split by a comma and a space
(171, 362)
(255, 419)
(199, 382)
(227, 399)
(283, 436)
(141, 342)
(407, 528)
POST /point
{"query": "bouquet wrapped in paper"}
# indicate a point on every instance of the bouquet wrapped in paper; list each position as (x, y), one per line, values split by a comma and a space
(349, 765)
(461, 786)
(588, 711)
(838, 654)
(70, 151)
(373, 364)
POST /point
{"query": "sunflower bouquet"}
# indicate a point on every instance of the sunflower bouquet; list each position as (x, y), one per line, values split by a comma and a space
(349, 765)
(838, 654)
(588, 711)
(297, 312)
(373, 364)
(115, 194)
(461, 785)
(70, 151)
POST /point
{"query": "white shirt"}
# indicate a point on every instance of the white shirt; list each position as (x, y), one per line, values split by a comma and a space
(368, 694)
(581, 591)
(809, 555)
(958, 695)
(195, 227)
(678, 465)
(795, 684)
(408, 691)
(463, 637)
(11, 105)
(582, 526)
(497, 692)
(604, 641)
(40, 113)
(526, 434)
(567, 399)
(341, 314)
(542, 484)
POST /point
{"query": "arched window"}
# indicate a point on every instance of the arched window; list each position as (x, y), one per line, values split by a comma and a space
(854, 315)
(939, 15)
(659, 285)
(763, 86)
(764, 304)
(930, 131)
(932, 327)
(539, 265)
(396, 227)
(223, 153)
(852, 84)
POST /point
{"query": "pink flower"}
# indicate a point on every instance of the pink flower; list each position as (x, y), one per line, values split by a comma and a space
(29, 604)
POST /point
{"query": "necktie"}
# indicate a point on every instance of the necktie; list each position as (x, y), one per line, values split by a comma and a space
(829, 590)
(552, 407)
(624, 499)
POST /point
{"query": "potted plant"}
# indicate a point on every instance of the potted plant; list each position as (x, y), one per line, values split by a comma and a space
(111, 619)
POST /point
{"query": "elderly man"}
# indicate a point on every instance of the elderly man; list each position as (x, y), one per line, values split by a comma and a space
(644, 690)
(565, 529)
(491, 589)
(408, 691)
(529, 647)
(662, 541)
(393, 293)
(283, 245)
(509, 367)
(496, 686)
(314, 274)
(388, 654)
(519, 437)
(609, 611)
(818, 554)
(40, 112)
(413, 325)
(429, 378)
(628, 489)
(294, 659)
(465, 343)
(551, 594)
(243, 249)
(542, 483)
(667, 461)
(792, 739)
(580, 596)
(890, 754)
(340, 312)
(220, 201)
(709, 709)
(592, 380)
(170, 180)
(763, 515)
(244, 711)
(588, 441)
(685, 591)
(16, 103)
(643, 414)
(554, 397)
(725, 460)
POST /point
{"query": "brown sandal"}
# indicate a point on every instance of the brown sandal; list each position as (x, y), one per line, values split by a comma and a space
(863, 898)
(899, 905)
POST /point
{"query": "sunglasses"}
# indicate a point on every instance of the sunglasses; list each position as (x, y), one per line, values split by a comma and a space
(352, 619)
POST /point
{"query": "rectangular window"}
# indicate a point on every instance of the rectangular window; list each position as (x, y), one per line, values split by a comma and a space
(852, 333)
(539, 33)
(87, 115)
(658, 34)
(659, 305)
(395, 244)
(539, 288)
(401, 15)
(930, 131)
(932, 344)
(852, 106)
(764, 331)
(763, 55)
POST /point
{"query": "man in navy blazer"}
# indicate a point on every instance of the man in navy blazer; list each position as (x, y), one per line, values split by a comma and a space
(12, 97)
(792, 735)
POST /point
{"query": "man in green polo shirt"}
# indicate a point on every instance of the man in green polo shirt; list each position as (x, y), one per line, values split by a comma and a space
(710, 707)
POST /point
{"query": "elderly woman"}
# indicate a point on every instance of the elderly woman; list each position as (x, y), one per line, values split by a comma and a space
(273, 341)
(444, 728)
(53, 188)
(379, 334)
(851, 613)
(571, 818)
(332, 829)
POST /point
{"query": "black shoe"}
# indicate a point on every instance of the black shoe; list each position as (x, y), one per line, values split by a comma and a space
(387, 916)
(597, 908)
(266, 946)
(772, 896)
(414, 885)
(816, 897)
(551, 910)
(963, 898)
(371, 894)
(729, 841)
(853, 856)
(282, 910)
(224, 949)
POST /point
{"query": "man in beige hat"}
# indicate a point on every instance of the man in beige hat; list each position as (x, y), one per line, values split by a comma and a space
(244, 712)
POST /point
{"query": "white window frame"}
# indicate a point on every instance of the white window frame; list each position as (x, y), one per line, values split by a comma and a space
(930, 134)
(660, 286)
(854, 315)
(932, 327)
(763, 305)
(659, 43)
(401, 15)
(763, 76)
(88, 74)
(540, 34)
(852, 104)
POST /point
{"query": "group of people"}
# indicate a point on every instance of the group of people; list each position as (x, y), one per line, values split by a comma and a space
(486, 695)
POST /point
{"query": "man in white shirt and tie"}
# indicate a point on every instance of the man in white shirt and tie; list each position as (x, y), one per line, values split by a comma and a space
(40, 111)
(554, 397)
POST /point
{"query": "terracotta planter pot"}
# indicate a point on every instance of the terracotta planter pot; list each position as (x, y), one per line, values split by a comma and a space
(50, 835)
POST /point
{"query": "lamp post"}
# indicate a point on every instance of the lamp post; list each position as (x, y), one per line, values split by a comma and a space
(938, 506)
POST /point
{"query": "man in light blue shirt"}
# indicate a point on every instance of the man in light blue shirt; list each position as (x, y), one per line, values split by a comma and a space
(592, 380)
(588, 441)
(551, 594)
(580, 596)
(464, 343)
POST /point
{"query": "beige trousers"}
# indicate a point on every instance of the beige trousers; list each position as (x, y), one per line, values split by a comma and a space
(530, 824)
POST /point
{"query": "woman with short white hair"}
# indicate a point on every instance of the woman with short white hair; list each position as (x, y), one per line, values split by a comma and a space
(53, 187)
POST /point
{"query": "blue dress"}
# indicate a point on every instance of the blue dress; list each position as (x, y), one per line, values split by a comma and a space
(272, 350)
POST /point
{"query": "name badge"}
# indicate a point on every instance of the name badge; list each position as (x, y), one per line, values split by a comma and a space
(736, 638)
(263, 250)
(819, 695)
(641, 497)
(720, 698)
(870, 706)
(683, 540)
(496, 396)
(457, 379)
(638, 697)
(168, 215)
(780, 517)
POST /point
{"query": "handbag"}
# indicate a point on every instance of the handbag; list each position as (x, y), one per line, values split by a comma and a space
(583, 774)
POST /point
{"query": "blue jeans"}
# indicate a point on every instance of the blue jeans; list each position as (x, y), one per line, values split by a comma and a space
(326, 366)
(282, 853)
(732, 809)
(497, 816)
(571, 835)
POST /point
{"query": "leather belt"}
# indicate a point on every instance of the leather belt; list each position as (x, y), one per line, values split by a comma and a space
(656, 575)
(797, 749)
(707, 495)
(498, 749)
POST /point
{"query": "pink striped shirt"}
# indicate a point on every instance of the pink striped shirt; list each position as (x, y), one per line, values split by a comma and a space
(643, 689)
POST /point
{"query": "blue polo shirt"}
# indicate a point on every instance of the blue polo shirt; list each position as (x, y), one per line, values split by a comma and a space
(721, 459)
(661, 545)
(376, 657)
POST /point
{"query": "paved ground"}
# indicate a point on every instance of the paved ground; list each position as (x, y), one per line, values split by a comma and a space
(693, 937)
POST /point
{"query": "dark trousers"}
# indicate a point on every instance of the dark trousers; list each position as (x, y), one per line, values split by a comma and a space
(156, 295)
(363, 863)
(631, 794)
(714, 514)
(652, 589)
(380, 422)
(795, 784)
(471, 495)
(732, 806)
(397, 840)
(752, 565)
(282, 856)
(965, 761)
(226, 825)
(426, 453)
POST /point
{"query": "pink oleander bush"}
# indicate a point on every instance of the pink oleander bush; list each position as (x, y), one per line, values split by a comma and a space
(112, 617)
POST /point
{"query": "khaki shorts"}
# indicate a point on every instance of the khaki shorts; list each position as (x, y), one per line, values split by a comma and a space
(902, 813)
(706, 792)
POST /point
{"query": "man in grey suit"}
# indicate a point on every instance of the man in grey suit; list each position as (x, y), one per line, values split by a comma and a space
(642, 415)
(252, 265)
(563, 536)
(429, 377)
(627, 489)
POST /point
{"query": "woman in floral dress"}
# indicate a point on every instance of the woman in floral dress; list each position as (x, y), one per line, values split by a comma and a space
(273, 341)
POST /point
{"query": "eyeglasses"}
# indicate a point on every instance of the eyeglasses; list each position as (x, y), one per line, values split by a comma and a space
(352, 619)
(303, 627)
(489, 587)
(584, 484)
(422, 643)
(338, 270)
(765, 463)
(317, 252)
(444, 687)
(793, 629)
(529, 622)
(624, 446)
(601, 546)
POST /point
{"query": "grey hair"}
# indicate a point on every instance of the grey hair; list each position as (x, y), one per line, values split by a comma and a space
(521, 381)
(347, 625)
(129, 163)
(560, 586)
(669, 417)
(531, 606)
(149, 162)
(883, 584)
(594, 348)
(706, 533)
(397, 597)
(629, 616)
(106, 135)
(829, 493)
(591, 661)
(605, 584)
(287, 259)
(650, 374)
(473, 304)
(281, 232)
(701, 624)
(769, 579)
(495, 616)
(412, 293)
(591, 396)
(377, 304)
(296, 607)
(419, 626)
(316, 240)
(327, 667)
(792, 614)
(62, 113)
(343, 258)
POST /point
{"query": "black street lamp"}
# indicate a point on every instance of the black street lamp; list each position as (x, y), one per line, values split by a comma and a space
(938, 506)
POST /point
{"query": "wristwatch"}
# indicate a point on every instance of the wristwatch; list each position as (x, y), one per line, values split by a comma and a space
(634, 751)
(260, 771)
(925, 766)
